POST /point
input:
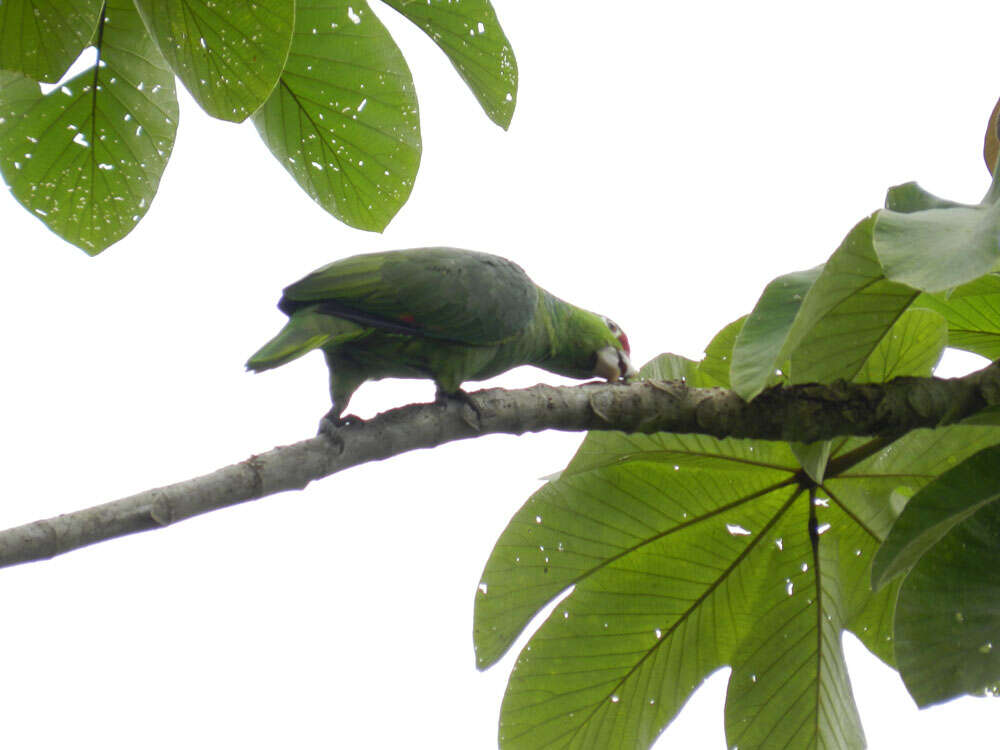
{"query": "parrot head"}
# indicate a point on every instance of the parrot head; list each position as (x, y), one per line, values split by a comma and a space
(612, 361)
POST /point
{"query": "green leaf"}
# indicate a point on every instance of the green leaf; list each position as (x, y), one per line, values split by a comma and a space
(828, 332)
(41, 38)
(988, 416)
(714, 369)
(683, 554)
(760, 348)
(655, 569)
(228, 53)
(813, 457)
(935, 510)
(871, 494)
(940, 247)
(873, 621)
(910, 197)
(597, 511)
(470, 34)
(846, 313)
(343, 118)
(669, 367)
(87, 158)
(947, 620)
(790, 659)
(973, 314)
(912, 347)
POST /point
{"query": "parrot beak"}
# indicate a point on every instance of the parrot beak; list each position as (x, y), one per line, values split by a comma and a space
(613, 364)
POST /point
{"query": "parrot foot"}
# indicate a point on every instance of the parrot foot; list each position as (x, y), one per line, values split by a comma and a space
(331, 423)
(474, 420)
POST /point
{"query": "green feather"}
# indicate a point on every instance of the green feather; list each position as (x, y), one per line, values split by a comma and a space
(457, 295)
(439, 313)
(306, 330)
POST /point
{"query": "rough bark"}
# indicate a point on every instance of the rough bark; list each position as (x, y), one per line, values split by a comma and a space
(803, 413)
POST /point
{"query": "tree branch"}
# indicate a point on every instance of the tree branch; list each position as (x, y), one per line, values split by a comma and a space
(803, 413)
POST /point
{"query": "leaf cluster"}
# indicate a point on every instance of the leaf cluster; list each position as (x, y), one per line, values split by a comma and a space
(677, 555)
(324, 83)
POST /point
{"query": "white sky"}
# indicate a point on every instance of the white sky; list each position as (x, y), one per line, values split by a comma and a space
(666, 160)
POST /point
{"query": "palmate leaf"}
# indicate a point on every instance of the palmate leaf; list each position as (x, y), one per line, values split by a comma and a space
(910, 197)
(940, 247)
(947, 620)
(87, 158)
(685, 554)
(943, 504)
(343, 118)
(823, 323)
(973, 314)
(229, 53)
(673, 367)
(470, 34)
(657, 601)
(813, 457)
(714, 368)
(793, 653)
(761, 346)
(913, 346)
(845, 314)
(41, 38)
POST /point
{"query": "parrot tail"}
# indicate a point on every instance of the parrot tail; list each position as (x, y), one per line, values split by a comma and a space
(306, 330)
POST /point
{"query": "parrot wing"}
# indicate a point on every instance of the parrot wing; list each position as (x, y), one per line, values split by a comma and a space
(443, 293)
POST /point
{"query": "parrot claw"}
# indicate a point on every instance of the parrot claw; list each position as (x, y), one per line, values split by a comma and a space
(331, 423)
(443, 397)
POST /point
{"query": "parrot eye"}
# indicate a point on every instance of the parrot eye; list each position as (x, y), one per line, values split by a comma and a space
(618, 333)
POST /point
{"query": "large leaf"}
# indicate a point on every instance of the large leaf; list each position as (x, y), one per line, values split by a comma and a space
(910, 197)
(470, 34)
(713, 370)
(343, 118)
(846, 313)
(672, 367)
(683, 558)
(41, 38)
(656, 604)
(973, 314)
(760, 345)
(87, 158)
(685, 554)
(942, 246)
(828, 332)
(871, 494)
(913, 346)
(789, 659)
(935, 510)
(229, 53)
(813, 457)
(947, 618)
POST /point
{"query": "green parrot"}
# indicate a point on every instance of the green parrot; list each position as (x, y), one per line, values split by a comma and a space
(440, 313)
